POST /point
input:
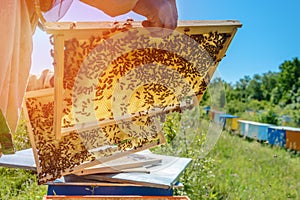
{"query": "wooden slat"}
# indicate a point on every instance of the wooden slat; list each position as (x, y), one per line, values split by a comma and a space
(129, 117)
(31, 138)
(52, 27)
(58, 82)
(163, 175)
(80, 29)
(39, 93)
(130, 163)
(113, 157)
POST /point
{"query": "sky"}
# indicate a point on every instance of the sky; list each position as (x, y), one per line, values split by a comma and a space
(269, 36)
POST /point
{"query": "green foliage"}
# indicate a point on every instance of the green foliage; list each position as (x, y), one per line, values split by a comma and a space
(296, 117)
(269, 117)
(241, 86)
(19, 184)
(20, 137)
(235, 107)
(171, 126)
(217, 94)
(255, 88)
(288, 78)
(269, 80)
(205, 98)
(260, 94)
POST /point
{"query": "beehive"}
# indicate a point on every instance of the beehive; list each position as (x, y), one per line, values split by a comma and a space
(277, 136)
(229, 122)
(243, 127)
(112, 82)
(285, 136)
(293, 138)
(254, 130)
(262, 134)
(234, 124)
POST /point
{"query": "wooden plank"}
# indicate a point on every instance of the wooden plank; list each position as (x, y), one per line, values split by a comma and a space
(52, 27)
(163, 175)
(97, 28)
(82, 34)
(128, 117)
(31, 137)
(58, 82)
(112, 157)
(39, 93)
(130, 163)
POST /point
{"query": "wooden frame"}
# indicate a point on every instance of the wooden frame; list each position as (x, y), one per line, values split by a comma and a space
(58, 148)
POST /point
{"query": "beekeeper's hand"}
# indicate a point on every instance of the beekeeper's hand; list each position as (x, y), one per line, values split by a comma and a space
(159, 13)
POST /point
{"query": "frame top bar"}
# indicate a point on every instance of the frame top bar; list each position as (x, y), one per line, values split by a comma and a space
(64, 26)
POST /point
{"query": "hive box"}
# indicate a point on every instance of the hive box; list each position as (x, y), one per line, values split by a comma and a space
(285, 136)
(229, 122)
(254, 130)
(277, 135)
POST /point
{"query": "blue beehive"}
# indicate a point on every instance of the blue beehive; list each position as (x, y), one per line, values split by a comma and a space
(277, 135)
(263, 132)
(258, 131)
(254, 130)
(243, 126)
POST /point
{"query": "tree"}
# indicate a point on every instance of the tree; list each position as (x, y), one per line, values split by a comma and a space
(272, 94)
(254, 88)
(269, 117)
(268, 82)
(241, 87)
(288, 79)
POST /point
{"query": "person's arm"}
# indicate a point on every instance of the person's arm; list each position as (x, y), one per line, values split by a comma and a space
(159, 13)
(112, 7)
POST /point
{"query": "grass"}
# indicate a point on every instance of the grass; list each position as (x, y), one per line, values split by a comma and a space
(17, 184)
(234, 169)
(251, 170)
